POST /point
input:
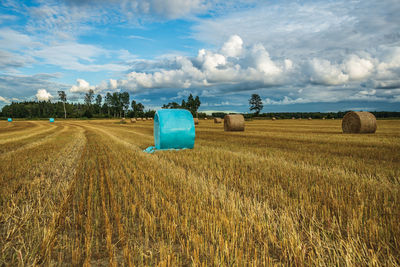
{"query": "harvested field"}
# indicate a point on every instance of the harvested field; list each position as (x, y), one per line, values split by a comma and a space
(285, 192)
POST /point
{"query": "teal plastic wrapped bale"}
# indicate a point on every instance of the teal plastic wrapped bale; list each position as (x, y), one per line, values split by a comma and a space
(173, 129)
(51, 119)
(9, 120)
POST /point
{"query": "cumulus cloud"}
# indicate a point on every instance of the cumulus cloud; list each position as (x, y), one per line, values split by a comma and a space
(82, 86)
(43, 95)
(323, 72)
(2, 99)
(235, 64)
(233, 47)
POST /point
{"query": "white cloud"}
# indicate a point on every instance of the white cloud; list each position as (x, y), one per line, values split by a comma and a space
(2, 99)
(323, 72)
(43, 95)
(358, 68)
(81, 86)
(233, 47)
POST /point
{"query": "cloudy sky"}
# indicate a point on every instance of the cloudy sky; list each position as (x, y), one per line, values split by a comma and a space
(297, 55)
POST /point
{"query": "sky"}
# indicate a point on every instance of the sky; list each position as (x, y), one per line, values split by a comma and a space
(297, 55)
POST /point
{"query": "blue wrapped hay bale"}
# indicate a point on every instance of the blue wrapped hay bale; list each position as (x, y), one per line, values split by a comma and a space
(173, 129)
(9, 120)
(51, 119)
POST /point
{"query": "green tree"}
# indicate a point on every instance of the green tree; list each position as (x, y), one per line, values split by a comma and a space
(63, 97)
(255, 104)
(124, 100)
(137, 109)
(98, 101)
(89, 97)
(108, 102)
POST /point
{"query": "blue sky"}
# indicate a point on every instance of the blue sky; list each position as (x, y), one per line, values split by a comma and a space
(297, 55)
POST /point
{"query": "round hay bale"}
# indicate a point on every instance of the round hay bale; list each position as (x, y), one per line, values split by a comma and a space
(149, 119)
(133, 120)
(359, 122)
(299, 118)
(205, 119)
(333, 118)
(144, 119)
(196, 121)
(323, 118)
(234, 122)
(173, 129)
(138, 119)
(273, 118)
(309, 118)
(217, 120)
(293, 118)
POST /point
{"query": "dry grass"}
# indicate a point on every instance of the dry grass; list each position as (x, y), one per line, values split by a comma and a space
(287, 192)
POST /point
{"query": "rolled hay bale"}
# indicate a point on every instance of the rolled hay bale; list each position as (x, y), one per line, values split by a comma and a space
(138, 119)
(133, 120)
(173, 129)
(196, 121)
(324, 118)
(51, 120)
(273, 118)
(293, 118)
(205, 118)
(234, 122)
(359, 122)
(299, 118)
(144, 119)
(217, 120)
(333, 118)
(149, 119)
(309, 118)
(9, 120)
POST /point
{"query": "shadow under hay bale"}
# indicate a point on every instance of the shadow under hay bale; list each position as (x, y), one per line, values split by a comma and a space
(217, 120)
(359, 122)
(196, 121)
(234, 122)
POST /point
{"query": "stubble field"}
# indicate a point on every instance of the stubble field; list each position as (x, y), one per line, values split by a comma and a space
(282, 192)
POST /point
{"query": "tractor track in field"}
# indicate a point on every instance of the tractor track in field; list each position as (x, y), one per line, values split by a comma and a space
(47, 137)
(4, 140)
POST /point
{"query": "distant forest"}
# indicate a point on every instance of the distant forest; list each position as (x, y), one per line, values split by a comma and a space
(46, 109)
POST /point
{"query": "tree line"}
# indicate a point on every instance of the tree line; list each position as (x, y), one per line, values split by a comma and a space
(111, 105)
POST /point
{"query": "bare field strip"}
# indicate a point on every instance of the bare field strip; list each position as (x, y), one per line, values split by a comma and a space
(281, 193)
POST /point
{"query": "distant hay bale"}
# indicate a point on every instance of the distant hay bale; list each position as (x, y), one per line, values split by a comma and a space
(333, 118)
(205, 119)
(359, 122)
(149, 119)
(309, 118)
(138, 119)
(323, 118)
(299, 118)
(144, 119)
(273, 118)
(196, 121)
(217, 120)
(133, 120)
(234, 122)
(293, 118)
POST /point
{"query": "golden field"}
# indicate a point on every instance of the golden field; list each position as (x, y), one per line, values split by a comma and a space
(285, 192)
